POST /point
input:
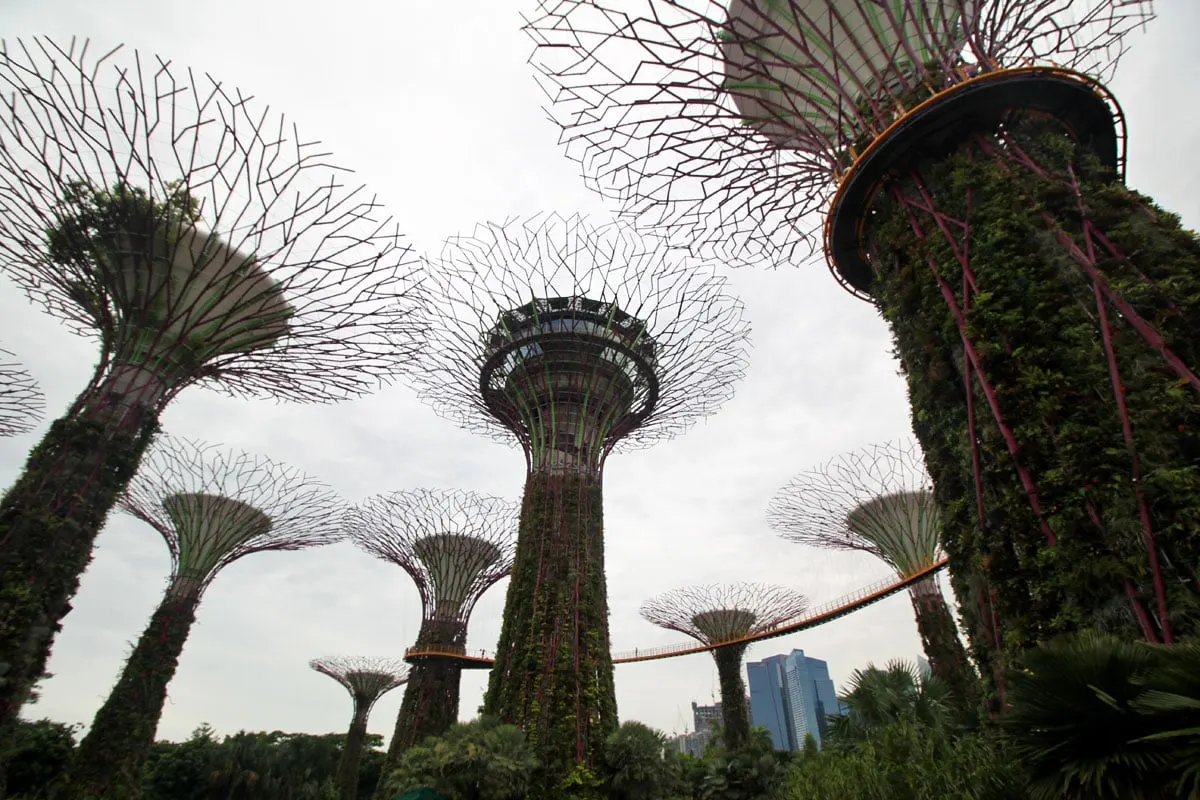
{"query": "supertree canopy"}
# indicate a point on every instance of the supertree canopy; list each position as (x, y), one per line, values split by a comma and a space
(727, 615)
(199, 239)
(574, 339)
(367, 680)
(879, 501)
(21, 400)
(971, 164)
(455, 545)
(212, 507)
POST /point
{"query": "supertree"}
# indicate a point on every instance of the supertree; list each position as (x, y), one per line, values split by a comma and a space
(367, 680)
(727, 615)
(455, 545)
(572, 339)
(971, 163)
(212, 507)
(200, 240)
(879, 501)
(21, 400)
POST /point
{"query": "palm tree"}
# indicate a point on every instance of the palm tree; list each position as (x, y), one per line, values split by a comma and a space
(1094, 716)
(899, 694)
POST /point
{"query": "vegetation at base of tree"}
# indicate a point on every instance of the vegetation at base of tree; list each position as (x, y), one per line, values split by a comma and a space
(1098, 718)
(49, 520)
(110, 758)
(562, 695)
(479, 760)
(38, 753)
(898, 694)
(1035, 323)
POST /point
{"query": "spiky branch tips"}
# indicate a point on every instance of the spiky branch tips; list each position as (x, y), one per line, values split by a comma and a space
(199, 239)
(21, 401)
(212, 507)
(573, 339)
(727, 615)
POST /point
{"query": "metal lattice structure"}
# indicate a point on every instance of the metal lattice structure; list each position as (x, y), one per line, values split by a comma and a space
(971, 164)
(724, 126)
(200, 239)
(366, 679)
(193, 232)
(213, 506)
(454, 544)
(574, 339)
(732, 613)
(878, 500)
(21, 400)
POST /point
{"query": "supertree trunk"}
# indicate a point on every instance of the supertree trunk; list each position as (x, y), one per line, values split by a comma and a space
(939, 638)
(109, 761)
(49, 520)
(735, 714)
(1065, 297)
(431, 696)
(347, 774)
(553, 652)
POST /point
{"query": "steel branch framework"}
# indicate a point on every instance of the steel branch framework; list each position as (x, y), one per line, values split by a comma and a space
(575, 337)
(366, 679)
(454, 544)
(877, 500)
(213, 506)
(21, 400)
(193, 232)
(727, 613)
(722, 126)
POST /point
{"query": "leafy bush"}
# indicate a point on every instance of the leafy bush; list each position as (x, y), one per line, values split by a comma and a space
(479, 760)
(38, 754)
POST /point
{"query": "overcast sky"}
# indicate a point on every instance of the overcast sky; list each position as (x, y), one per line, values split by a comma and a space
(433, 105)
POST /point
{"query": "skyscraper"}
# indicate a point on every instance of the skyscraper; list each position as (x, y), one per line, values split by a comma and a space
(703, 717)
(791, 695)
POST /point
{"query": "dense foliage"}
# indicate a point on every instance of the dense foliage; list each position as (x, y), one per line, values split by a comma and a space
(1100, 718)
(111, 756)
(479, 760)
(49, 520)
(431, 695)
(1032, 317)
(553, 674)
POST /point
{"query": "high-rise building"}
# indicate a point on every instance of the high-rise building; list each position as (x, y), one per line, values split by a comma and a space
(791, 695)
(703, 717)
(693, 744)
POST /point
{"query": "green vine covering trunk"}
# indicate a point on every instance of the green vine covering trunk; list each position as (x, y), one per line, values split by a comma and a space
(108, 763)
(49, 520)
(939, 638)
(347, 771)
(735, 714)
(553, 673)
(1034, 322)
(431, 694)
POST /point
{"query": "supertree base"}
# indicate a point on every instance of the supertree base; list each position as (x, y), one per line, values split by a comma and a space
(553, 672)
(1044, 315)
(51, 516)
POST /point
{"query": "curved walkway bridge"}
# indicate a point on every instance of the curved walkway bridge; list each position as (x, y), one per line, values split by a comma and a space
(835, 609)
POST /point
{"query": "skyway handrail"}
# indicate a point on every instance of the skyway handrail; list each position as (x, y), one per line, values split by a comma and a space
(860, 598)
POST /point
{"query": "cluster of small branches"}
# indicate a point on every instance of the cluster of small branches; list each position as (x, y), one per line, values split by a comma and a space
(21, 400)
(213, 506)
(877, 500)
(365, 678)
(722, 612)
(721, 128)
(698, 328)
(193, 231)
(455, 544)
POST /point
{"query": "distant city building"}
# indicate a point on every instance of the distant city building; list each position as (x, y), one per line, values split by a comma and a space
(791, 695)
(703, 717)
(692, 744)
